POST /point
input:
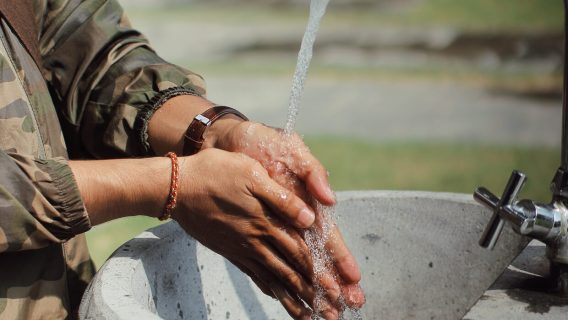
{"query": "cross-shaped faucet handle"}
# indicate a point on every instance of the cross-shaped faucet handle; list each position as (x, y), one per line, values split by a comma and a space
(488, 199)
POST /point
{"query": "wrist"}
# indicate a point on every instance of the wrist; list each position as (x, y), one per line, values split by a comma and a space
(151, 195)
(194, 136)
(167, 126)
(186, 186)
(113, 189)
(217, 134)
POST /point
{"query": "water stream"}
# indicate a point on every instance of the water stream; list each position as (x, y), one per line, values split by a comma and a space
(317, 236)
(317, 11)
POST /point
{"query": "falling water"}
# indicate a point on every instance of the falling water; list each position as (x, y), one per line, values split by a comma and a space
(317, 10)
(315, 237)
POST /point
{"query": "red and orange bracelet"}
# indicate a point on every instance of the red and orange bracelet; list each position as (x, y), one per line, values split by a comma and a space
(172, 196)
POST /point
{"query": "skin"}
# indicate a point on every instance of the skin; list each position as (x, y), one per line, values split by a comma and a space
(290, 163)
(239, 188)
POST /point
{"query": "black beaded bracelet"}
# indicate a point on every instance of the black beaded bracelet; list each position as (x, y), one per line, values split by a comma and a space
(143, 118)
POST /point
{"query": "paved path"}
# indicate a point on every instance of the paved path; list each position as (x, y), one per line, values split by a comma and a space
(388, 111)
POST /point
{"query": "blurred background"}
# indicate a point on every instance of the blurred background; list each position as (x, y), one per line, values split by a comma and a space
(437, 95)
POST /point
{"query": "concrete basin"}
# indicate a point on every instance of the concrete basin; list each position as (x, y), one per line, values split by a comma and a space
(418, 253)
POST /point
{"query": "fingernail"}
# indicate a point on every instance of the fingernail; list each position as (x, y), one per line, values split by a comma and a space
(331, 314)
(332, 288)
(327, 190)
(354, 296)
(306, 218)
(330, 193)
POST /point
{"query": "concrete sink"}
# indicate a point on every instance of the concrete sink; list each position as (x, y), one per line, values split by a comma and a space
(418, 253)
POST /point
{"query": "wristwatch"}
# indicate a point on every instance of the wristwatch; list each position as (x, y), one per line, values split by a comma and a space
(193, 137)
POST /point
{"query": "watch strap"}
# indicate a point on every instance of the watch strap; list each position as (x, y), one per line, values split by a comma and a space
(193, 137)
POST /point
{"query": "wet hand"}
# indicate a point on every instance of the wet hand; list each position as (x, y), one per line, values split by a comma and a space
(281, 154)
(289, 162)
(228, 202)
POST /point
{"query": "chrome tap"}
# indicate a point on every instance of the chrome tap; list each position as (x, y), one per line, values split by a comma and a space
(545, 222)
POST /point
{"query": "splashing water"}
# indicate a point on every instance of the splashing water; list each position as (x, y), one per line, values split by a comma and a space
(317, 11)
(316, 238)
(278, 154)
(318, 235)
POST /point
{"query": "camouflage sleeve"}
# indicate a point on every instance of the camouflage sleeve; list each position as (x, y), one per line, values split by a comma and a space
(39, 203)
(105, 78)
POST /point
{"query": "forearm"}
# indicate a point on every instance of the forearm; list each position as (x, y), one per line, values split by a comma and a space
(113, 189)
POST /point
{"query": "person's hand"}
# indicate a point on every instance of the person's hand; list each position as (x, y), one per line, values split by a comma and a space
(289, 162)
(281, 154)
(228, 202)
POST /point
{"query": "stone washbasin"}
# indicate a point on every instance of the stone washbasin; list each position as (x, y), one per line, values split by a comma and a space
(417, 251)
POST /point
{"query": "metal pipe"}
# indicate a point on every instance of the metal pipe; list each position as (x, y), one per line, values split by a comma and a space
(564, 156)
(559, 270)
(559, 185)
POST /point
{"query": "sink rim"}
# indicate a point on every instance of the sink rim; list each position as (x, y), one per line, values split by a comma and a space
(130, 255)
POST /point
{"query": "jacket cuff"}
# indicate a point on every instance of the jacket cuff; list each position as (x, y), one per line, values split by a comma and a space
(66, 200)
(146, 113)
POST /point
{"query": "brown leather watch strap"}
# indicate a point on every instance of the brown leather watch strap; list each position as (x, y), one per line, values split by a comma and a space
(193, 137)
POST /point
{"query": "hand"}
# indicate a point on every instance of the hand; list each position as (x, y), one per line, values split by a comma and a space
(227, 202)
(282, 155)
(166, 129)
(289, 162)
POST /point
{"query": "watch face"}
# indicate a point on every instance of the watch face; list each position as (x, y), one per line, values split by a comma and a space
(201, 118)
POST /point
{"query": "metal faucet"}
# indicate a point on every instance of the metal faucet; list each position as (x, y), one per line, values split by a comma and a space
(545, 222)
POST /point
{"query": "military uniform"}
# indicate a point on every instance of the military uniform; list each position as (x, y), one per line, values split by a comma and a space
(84, 89)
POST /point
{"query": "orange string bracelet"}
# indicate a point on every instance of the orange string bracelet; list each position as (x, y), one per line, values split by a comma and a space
(172, 197)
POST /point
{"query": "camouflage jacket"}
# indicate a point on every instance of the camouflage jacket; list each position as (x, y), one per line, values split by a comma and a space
(90, 96)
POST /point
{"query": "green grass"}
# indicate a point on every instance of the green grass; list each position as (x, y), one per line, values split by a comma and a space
(487, 15)
(359, 165)
(106, 238)
(467, 15)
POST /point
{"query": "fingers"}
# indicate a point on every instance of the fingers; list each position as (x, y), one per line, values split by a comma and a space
(311, 171)
(342, 258)
(293, 305)
(277, 280)
(293, 280)
(293, 247)
(283, 202)
(315, 176)
(259, 283)
(353, 295)
(329, 285)
(296, 286)
(291, 151)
